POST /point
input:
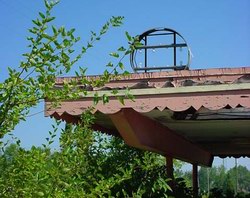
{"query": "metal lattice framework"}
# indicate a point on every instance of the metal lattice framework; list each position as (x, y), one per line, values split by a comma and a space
(172, 41)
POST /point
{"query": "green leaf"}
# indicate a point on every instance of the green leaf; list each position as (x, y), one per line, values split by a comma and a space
(71, 51)
(50, 142)
(114, 91)
(63, 31)
(121, 49)
(40, 194)
(77, 39)
(89, 45)
(96, 98)
(131, 97)
(121, 65)
(84, 50)
(71, 31)
(105, 99)
(66, 42)
(47, 37)
(116, 72)
(32, 61)
(121, 100)
(50, 19)
(128, 52)
(116, 21)
(104, 28)
(126, 73)
(137, 44)
(18, 142)
(77, 74)
(93, 33)
(54, 29)
(37, 22)
(42, 15)
(33, 31)
(110, 64)
(83, 71)
(47, 4)
(114, 54)
(128, 36)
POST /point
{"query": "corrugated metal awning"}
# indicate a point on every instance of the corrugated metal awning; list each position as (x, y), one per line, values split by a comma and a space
(208, 108)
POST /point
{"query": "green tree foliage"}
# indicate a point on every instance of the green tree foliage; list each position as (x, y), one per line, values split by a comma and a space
(241, 175)
(51, 53)
(87, 164)
(220, 182)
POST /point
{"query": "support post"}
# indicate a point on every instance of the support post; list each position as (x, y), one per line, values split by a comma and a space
(195, 180)
(170, 168)
(170, 171)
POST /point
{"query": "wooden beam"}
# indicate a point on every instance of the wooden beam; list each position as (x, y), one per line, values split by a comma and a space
(144, 133)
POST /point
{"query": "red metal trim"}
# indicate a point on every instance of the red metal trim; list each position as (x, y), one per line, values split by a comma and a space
(174, 102)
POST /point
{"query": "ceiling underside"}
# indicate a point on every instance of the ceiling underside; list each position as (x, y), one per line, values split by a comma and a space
(224, 132)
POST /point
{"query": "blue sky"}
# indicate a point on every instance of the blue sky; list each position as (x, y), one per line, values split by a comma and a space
(217, 32)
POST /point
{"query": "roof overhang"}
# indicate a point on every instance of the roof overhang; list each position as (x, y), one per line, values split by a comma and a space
(190, 115)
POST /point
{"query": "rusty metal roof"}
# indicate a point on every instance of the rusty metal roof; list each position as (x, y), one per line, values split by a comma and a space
(209, 108)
